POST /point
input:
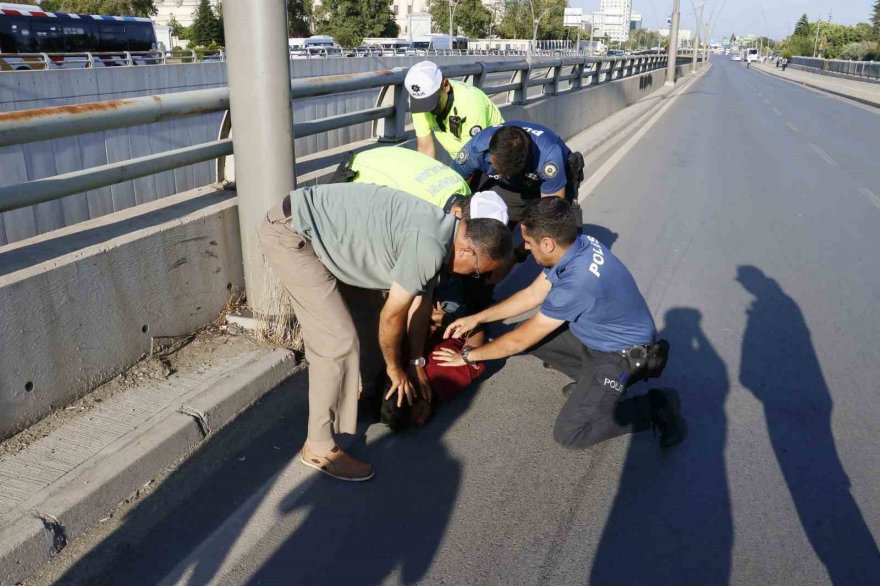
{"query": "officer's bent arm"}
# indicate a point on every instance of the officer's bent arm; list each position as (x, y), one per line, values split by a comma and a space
(425, 145)
(520, 302)
(529, 333)
(560, 193)
(392, 323)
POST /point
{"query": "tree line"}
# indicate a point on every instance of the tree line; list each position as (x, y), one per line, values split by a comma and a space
(829, 40)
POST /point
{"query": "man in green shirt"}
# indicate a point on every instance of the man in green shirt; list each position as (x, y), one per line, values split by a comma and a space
(453, 111)
(371, 237)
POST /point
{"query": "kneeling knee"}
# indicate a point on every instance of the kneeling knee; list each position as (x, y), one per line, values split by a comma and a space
(574, 437)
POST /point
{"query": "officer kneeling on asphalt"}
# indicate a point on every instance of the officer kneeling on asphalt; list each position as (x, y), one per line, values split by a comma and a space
(593, 325)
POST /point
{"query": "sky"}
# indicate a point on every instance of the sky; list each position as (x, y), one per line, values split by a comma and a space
(773, 18)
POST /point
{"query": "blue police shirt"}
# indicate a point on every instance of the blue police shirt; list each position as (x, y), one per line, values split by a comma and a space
(596, 294)
(545, 171)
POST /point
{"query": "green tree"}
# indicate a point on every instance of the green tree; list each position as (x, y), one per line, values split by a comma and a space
(518, 18)
(299, 16)
(207, 27)
(471, 17)
(178, 30)
(349, 21)
(802, 28)
(108, 7)
(875, 18)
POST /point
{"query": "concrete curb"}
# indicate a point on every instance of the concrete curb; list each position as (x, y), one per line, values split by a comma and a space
(94, 489)
(817, 88)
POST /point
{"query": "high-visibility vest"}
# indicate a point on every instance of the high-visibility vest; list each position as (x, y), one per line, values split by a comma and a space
(410, 171)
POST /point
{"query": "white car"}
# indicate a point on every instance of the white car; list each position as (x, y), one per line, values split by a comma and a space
(736, 57)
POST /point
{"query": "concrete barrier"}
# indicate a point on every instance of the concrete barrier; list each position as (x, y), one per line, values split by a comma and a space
(80, 304)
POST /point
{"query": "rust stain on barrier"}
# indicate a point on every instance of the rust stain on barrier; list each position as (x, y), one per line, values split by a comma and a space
(72, 110)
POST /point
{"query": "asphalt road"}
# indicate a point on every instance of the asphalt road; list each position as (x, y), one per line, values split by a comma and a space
(749, 214)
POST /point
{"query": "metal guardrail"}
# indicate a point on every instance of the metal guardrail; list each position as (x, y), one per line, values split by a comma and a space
(85, 60)
(388, 115)
(864, 69)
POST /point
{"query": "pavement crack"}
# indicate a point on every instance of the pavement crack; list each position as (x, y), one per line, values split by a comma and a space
(201, 419)
(54, 526)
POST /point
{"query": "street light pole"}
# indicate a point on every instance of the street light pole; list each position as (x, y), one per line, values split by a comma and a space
(697, 37)
(816, 44)
(258, 67)
(672, 54)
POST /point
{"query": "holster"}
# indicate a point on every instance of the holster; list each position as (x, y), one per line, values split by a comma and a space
(575, 167)
(344, 172)
(647, 361)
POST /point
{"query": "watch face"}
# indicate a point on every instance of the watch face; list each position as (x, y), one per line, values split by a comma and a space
(419, 362)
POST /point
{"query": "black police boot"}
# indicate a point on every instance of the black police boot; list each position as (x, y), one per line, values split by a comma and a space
(666, 419)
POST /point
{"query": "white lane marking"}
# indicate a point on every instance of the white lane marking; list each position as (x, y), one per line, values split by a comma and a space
(818, 150)
(792, 127)
(776, 111)
(871, 196)
(766, 101)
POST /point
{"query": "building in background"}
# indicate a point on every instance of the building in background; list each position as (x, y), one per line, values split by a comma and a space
(181, 10)
(684, 35)
(635, 21)
(613, 19)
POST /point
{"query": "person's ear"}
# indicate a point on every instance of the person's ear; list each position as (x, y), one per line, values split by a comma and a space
(456, 211)
(446, 85)
(548, 245)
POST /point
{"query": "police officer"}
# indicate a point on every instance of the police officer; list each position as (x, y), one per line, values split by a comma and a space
(406, 170)
(520, 161)
(450, 110)
(593, 325)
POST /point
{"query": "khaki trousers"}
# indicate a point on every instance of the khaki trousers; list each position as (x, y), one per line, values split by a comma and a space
(331, 341)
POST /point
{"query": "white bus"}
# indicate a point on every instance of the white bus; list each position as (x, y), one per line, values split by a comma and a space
(439, 42)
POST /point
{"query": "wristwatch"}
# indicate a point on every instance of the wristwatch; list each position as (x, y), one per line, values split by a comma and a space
(464, 354)
(418, 362)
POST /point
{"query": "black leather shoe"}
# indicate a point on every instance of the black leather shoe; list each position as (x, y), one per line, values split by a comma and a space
(666, 419)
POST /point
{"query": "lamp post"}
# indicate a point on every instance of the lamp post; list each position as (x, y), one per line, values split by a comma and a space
(453, 5)
(816, 44)
(697, 34)
(672, 53)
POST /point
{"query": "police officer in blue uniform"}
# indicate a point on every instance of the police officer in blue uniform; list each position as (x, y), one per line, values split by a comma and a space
(520, 161)
(592, 324)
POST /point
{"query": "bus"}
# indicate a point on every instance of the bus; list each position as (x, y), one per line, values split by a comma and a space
(26, 29)
(313, 46)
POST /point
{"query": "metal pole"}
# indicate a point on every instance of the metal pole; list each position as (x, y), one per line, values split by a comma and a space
(451, 14)
(697, 38)
(672, 53)
(592, 28)
(258, 68)
(816, 44)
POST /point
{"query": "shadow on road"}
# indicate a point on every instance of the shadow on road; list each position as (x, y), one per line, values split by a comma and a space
(391, 526)
(671, 520)
(780, 367)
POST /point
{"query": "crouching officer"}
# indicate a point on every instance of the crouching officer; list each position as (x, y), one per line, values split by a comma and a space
(521, 161)
(407, 170)
(593, 325)
(452, 111)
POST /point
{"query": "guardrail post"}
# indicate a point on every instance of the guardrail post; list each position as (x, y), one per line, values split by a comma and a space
(578, 81)
(129, 60)
(521, 94)
(480, 78)
(262, 124)
(91, 59)
(393, 128)
(554, 86)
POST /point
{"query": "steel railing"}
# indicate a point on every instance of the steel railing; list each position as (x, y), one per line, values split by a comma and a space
(863, 69)
(42, 61)
(554, 76)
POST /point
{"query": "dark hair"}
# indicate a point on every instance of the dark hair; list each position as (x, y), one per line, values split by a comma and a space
(490, 237)
(509, 147)
(550, 217)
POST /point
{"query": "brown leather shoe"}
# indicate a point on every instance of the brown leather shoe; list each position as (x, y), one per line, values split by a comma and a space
(337, 464)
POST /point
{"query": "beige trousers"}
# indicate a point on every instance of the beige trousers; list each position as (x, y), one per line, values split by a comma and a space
(331, 341)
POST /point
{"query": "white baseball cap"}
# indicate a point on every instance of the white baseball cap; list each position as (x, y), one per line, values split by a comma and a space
(423, 81)
(488, 204)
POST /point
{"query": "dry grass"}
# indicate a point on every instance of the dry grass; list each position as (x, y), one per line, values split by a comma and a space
(277, 324)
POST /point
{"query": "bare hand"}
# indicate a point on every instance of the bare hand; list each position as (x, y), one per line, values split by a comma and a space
(448, 357)
(461, 327)
(420, 375)
(401, 385)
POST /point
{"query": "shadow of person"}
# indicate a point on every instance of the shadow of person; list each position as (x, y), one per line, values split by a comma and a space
(602, 234)
(671, 520)
(780, 367)
(391, 525)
